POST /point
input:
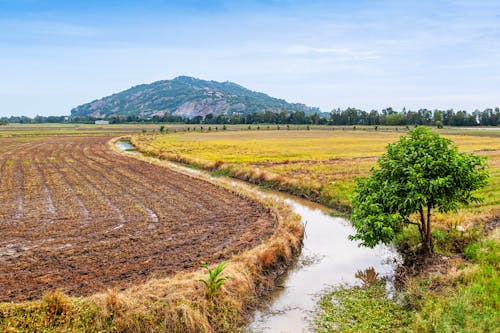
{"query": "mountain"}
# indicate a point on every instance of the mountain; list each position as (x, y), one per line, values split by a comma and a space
(188, 97)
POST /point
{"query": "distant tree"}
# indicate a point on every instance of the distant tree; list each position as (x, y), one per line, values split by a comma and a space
(209, 118)
(417, 174)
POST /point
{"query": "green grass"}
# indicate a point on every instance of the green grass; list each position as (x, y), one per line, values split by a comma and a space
(470, 300)
(466, 300)
(360, 309)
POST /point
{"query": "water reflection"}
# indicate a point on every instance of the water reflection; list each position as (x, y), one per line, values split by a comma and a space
(328, 258)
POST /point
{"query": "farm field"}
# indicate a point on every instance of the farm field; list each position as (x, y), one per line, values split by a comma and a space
(454, 291)
(318, 164)
(83, 218)
(79, 217)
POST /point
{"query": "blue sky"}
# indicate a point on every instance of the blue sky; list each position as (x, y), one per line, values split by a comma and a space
(55, 55)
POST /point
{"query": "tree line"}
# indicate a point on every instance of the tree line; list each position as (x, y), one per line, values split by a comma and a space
(349, 116)
(388, 116)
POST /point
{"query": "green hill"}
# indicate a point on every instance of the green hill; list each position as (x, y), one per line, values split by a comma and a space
(188, 97)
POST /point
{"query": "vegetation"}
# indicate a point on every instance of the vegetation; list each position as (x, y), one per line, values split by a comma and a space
(283, 115)
(438, 118)
(466, 299)
(188, 97)
(214, 280)
(360, 309)
(416, 175)
(320, 165)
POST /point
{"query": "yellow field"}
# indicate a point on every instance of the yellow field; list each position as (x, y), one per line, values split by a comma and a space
(320, 164)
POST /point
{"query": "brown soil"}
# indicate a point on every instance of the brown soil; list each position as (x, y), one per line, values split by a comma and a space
(81, 218)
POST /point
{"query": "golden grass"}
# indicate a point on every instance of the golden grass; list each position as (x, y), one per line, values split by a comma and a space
(173, 304)
(318, 164)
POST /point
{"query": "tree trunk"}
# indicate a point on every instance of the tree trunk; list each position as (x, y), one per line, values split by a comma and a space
(430, 242)
(425, 232)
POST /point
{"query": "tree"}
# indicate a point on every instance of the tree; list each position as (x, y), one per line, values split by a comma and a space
(418, 174)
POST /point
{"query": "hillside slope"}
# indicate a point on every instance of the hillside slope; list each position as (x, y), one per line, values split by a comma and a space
(188, 97)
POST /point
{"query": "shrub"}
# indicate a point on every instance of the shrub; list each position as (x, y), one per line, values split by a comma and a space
(214, 280)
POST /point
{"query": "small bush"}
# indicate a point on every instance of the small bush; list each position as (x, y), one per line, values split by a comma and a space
(214, 280)
(57, 307)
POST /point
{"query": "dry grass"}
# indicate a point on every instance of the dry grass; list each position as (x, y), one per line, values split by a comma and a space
(320, 165)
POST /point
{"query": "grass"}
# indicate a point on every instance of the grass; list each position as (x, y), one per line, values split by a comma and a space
(318, 164)
(467, 299)
(359, 309)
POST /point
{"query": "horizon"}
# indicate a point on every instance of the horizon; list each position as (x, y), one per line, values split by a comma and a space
(361, 54)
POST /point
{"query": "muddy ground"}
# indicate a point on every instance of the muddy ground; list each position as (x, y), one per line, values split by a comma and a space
(78, 217)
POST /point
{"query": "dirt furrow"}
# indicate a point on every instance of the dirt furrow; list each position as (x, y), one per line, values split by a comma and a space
(103, 207)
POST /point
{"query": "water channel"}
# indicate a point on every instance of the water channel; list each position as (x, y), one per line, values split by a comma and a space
(328, 259)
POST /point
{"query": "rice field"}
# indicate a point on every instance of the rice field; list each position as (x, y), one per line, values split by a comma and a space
(94, 240)
(318, 164)
(73, 212)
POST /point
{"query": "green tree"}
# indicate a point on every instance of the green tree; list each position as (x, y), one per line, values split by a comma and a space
(420, 173)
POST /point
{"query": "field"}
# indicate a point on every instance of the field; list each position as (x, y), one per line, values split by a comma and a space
(81, 218)
(318, 164)
(455, 291)
(123, 236)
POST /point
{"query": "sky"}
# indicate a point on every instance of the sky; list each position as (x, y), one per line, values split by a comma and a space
(55, 55)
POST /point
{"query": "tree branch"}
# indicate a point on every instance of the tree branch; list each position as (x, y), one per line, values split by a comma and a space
(407, 220)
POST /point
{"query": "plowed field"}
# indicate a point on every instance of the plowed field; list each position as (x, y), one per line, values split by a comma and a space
(78, 217)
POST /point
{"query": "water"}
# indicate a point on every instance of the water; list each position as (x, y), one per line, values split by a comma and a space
(328, 258)
(125, 145)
